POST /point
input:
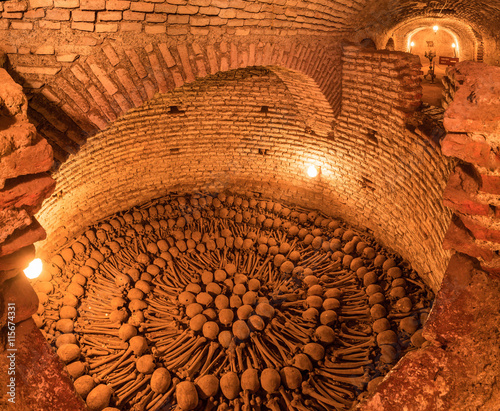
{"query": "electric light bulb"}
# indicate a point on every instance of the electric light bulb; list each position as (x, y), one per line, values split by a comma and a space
(412, 44)
(312, 171)
(453, 45)
(435, 28)
(34, 269)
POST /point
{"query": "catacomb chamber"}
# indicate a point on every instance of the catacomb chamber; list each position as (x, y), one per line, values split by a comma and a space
(228, 302)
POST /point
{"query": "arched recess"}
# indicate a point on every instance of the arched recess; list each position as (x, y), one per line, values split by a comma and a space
(467, 39)
(252, 129)
(93, 92)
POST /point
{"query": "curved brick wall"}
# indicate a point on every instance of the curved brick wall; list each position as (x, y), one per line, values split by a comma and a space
(223, 140)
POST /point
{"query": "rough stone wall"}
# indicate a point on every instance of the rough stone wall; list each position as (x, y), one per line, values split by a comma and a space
(392, 179)
(25, 158)
(460, 369)
(472, 121)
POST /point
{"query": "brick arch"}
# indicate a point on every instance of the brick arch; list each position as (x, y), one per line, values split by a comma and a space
(88, 95)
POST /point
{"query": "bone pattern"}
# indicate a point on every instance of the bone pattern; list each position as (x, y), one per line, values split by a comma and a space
(200, 285)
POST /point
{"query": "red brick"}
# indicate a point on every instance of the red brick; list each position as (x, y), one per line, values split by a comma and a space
(109, 15)
(34, 4)
(111, 54)
(167, 56)
(129, 85)
(177, 19)
(480, 231)
(464, 147)
(102, 103)
(74, 95)
(458, 238)
(106, 27)
(142, 6)
(177, 30)
(490, 184)
(50, 25)
(21, 25)
(80, 74)
(129, 26)
(117, 5)
(156, 18)
(200, 21)
(165, 8)
(22, 238)
(155, 29)
(15, 15)
(67, 4)
(106, 82)
(186, 63)
(158, 73)
(133, 16)
(34, 14)
(79, 15)
(93, 5)
(58, 14)
(11, 6)
(187, 9)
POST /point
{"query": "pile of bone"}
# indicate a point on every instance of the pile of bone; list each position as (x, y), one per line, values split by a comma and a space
(229, 302)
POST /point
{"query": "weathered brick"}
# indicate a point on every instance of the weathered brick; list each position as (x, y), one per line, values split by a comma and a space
(46, 49)
(109, 15)
(200, 21)
(209, 11)
(155, 29)
(82, 26)
(34, 14)
(67, 58)
(49, 25)
(227, 14)
(48, 70)
(129, 85)
(177, 19)
(136, 63)
(80, 15)
(129, 26)
(13, 6)
(104, 79)
(117, 5)
(93, 5)
(178, 30)
(106, 27)
(187, 9)
(142, 6)
(58, 14)
(14, 15)
(156, 18)
(133, 16)
(67, 4)
(34, 4)
(166, 8)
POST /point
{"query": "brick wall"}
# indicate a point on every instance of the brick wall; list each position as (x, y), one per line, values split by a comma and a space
(392, 179)
(383, 177)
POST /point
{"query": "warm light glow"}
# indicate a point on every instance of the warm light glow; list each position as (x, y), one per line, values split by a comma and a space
(412, 44)
(312, 171)
(435, 28)
(453, 45)
(34, 269)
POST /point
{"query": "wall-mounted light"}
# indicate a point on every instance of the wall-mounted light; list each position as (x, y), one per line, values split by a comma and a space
(435, 28)
(34, 269)
(312, 171)
(411, 46)
(454, 46)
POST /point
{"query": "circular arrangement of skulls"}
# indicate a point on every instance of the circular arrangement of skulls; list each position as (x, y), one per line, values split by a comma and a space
(222, 302)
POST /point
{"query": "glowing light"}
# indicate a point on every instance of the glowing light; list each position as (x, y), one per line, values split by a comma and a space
(312, 171)
(435, 28)
(412, 44)
(453, 45)
(34, 269)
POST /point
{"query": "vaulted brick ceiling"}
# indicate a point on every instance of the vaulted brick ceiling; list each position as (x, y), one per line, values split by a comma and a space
(77, 59)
